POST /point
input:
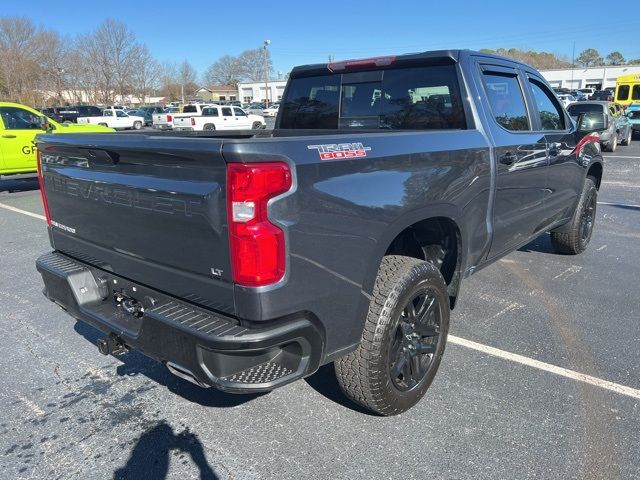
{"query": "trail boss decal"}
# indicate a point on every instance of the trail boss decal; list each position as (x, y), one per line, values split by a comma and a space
(338, 151)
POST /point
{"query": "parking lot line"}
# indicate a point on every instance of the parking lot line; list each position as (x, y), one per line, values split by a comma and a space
(496, 352)
(547, 367)
(629, 205)
(24, 212)
(620, 156)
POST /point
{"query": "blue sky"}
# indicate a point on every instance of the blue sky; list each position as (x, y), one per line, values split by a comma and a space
(308, 32)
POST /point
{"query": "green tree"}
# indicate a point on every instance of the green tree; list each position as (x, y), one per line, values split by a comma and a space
(590, 58)
(615, 58)
(635, 61)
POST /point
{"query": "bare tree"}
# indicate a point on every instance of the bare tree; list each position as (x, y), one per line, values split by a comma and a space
(146, 75)
(20, 56)
(253, 64)
(187, 76)
(226, 70)
(55, 57)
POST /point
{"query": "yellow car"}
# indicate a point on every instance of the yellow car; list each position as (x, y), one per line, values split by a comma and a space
(19, 126)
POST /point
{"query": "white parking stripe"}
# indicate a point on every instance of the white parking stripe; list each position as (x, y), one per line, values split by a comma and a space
(496, 352)
(632, 205)
(547, 367)
(620, 156)
(24, 212)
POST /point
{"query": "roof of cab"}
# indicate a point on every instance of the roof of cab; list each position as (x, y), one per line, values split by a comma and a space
(435, 56)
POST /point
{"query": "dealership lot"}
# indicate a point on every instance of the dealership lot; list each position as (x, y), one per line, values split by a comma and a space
(68, 412)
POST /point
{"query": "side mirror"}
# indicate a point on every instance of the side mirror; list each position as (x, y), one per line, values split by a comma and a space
(591, 122)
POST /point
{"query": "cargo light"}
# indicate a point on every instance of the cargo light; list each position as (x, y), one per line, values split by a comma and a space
(45, 204)
(257, 245)
(193, 121)
(361, 63)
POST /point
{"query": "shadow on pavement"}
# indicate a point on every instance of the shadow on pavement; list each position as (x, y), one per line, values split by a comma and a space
(325, 383)
(542, 244)
(19, 185)
(150, 457)
(135, 363)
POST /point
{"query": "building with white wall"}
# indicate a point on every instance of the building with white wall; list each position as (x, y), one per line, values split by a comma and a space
(256, 91)
(591, 77)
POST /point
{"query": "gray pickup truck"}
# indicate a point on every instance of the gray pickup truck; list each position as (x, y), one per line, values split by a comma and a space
(246, 260)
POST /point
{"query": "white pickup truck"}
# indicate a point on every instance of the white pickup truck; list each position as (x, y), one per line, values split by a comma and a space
(219, 118)
(164, 120)
(115, 118)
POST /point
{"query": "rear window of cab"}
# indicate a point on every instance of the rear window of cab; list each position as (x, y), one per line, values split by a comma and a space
(414, 98)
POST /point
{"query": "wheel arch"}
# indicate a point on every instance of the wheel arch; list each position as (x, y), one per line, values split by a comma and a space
(595, 171)
(435, 235)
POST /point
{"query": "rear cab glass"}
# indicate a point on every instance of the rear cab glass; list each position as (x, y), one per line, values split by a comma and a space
(190, 109)
(400, 98)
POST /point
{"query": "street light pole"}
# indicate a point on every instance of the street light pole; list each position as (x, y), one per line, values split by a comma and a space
(266, 74)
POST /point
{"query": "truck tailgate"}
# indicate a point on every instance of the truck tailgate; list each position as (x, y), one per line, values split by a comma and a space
(133, 204)
(182, 122)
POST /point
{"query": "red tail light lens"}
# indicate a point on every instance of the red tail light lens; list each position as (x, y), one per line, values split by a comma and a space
(257, 245)
(45, 204)
(193, 121)
(169, 118)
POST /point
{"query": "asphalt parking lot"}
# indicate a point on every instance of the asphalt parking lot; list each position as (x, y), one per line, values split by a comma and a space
(68, 412)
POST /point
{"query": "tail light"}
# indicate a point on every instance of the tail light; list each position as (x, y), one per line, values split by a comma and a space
(257, 245)
(169, 118)
(45, 204)
(193, 121)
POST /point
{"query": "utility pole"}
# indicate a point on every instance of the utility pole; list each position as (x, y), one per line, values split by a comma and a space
(573, 62)
(266, 74)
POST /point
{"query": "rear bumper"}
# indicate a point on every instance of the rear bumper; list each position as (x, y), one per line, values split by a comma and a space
(200, 345)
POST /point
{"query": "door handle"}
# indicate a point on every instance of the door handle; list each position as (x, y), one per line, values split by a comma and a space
(8, 136)
(555, 149)
(508, 158)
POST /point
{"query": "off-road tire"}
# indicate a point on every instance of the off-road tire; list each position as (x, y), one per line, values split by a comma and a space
(364, 374)
(574, 241)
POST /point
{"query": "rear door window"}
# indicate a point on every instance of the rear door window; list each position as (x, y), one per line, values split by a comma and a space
(416, 98)
(226, 112)
(635, 92)
(506, 100)
(551, 116)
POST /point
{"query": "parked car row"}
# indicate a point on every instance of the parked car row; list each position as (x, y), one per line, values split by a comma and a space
(608, 119)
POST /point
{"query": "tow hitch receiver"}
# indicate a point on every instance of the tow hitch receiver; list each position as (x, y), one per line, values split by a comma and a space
(111, 346)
